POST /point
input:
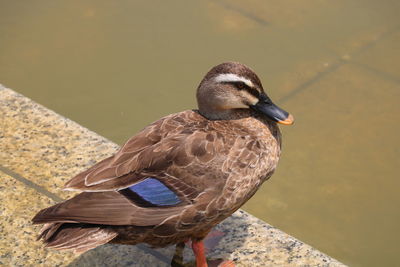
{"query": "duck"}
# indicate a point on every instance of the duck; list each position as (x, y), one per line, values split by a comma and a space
(180, 176)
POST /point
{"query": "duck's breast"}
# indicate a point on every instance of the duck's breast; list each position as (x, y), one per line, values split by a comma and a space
(252, 158)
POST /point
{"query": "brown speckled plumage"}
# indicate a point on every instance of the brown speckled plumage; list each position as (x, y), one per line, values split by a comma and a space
(213, 165)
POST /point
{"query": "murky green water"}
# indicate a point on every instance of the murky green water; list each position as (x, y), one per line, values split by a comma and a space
(115, 66)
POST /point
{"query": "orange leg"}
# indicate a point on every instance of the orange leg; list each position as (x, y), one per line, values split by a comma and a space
(198, 249)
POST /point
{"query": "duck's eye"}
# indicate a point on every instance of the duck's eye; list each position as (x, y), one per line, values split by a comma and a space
(240, 86)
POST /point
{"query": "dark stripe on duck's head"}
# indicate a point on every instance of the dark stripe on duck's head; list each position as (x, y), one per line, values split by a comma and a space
(243, 86)
(151, 193)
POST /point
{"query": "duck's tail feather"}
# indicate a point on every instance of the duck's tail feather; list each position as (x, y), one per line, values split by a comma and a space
(74, 236)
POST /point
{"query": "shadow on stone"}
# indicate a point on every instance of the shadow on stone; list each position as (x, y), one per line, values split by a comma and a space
(234, 236)
(124, 255)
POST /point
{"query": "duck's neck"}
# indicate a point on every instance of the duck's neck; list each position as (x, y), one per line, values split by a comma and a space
(225, 114)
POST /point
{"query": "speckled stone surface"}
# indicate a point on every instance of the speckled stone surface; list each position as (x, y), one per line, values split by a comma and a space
(17, 244)
(40, 150)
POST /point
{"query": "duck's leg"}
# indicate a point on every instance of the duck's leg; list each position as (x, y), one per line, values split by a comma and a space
(201, 261)
(177, 260)
(199, 252)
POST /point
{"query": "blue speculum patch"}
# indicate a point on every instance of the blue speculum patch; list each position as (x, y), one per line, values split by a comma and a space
(155, 192)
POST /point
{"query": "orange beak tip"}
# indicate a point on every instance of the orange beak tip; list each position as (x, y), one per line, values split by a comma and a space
(289, 120)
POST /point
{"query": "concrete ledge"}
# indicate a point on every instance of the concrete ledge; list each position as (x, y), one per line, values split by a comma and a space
(40, 150)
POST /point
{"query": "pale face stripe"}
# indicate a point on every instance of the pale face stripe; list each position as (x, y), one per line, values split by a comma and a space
(230, 77)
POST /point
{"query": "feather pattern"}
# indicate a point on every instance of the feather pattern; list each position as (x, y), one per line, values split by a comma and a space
(173, 181)
(220, 161)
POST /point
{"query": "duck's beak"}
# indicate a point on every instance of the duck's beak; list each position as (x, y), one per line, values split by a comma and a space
(272, 111)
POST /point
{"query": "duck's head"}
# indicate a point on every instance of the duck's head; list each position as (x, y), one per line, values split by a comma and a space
(232, 88)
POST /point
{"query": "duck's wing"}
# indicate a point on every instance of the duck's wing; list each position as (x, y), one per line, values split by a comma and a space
(147, 153)
(144, 183)
(105, 208)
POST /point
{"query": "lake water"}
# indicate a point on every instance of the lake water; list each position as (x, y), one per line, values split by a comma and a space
(116, 66)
